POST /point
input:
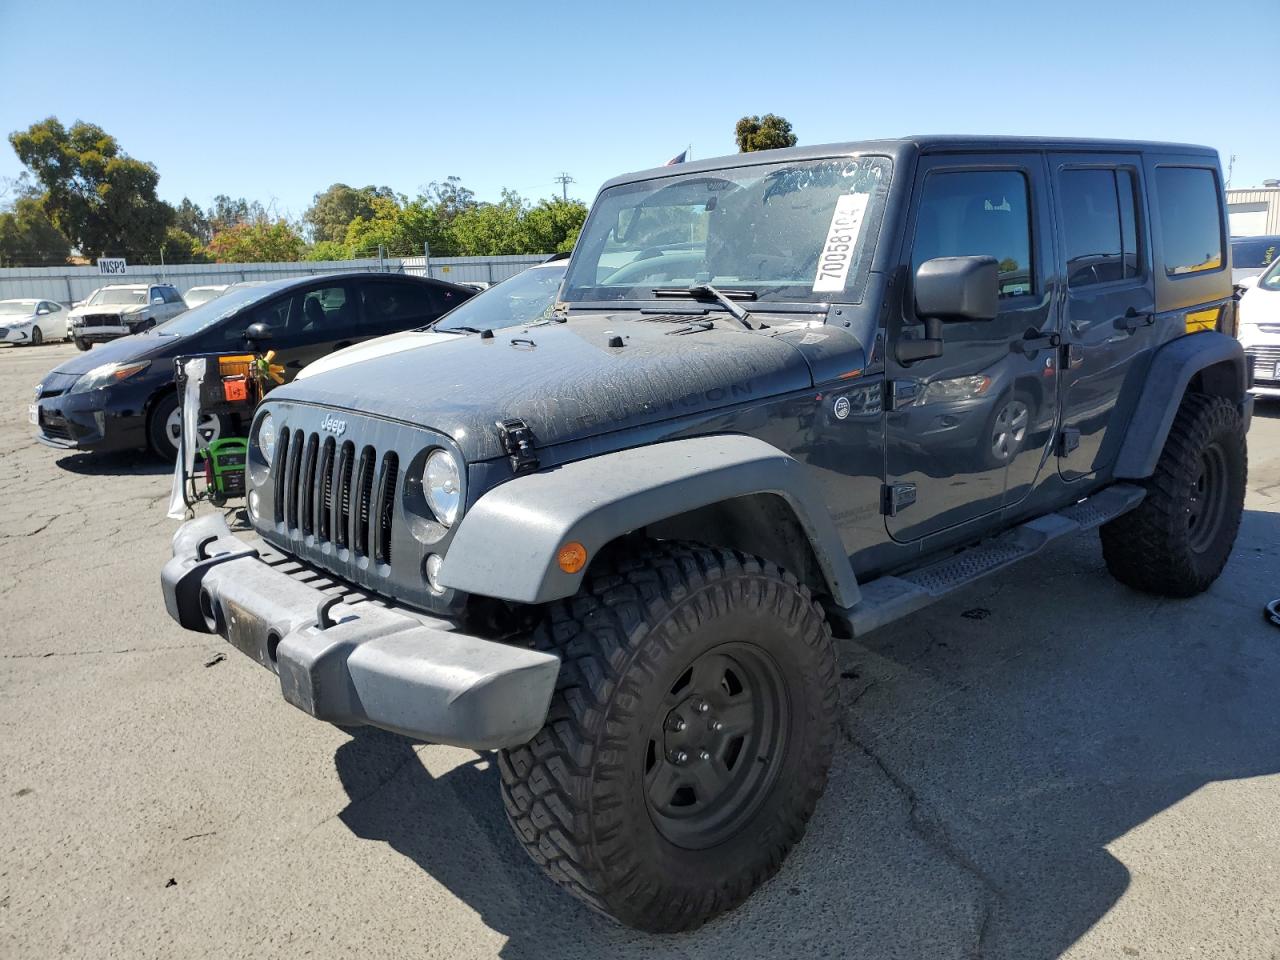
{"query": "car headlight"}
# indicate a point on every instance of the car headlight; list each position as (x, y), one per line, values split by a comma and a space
(267, 438)
(961, 388)
(108, 374)
(443, 486)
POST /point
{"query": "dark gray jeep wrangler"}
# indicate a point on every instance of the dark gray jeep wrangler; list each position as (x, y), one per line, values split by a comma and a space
(785, 395)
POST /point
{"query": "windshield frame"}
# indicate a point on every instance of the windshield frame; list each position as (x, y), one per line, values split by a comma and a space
(857, 282)
(478, 303)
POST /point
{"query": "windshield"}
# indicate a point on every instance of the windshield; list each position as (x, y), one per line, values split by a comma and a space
(207, 314)
(1254, 253)
(524, 298)
(802, 231)
(1271, 279)
(17, 308)
(118, 296)
(198, 295)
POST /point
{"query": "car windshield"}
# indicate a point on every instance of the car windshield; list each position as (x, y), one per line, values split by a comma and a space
(1271, 279)
(118, 296)
(207, 314)
(524, 298)
(803, 232)
(197, 295)
(17, 308)
(1254, 252)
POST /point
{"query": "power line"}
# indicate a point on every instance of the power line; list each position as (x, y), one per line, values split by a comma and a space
(564, 180)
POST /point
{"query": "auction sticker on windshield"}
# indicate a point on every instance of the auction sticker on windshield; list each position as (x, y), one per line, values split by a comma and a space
(842, 239)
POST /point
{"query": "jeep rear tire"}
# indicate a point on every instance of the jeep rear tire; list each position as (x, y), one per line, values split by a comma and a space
(1177, 541)
(688, 738)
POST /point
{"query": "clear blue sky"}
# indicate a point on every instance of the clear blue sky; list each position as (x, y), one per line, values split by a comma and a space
(276, 100)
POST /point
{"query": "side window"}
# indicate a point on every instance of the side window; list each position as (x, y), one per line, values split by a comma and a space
(327, 314)
(171, 295)
(276, 314)
(1099, 226)
(398, 306)
(156, 292)
(1190, 225)
(445, 299)
(978, 213)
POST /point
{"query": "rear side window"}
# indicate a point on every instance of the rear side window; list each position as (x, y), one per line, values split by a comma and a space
(978, 213)
(1099, 226)
(1190, 219)
(399, 306)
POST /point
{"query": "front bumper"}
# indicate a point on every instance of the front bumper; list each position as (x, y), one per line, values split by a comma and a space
(15, 334)
(353, 661)
(99, 334)
(91, 421)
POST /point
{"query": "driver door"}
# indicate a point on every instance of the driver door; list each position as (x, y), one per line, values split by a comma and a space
(967, 431)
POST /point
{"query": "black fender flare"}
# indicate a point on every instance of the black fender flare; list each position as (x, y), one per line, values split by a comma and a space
(1172, 368)
(508, 544)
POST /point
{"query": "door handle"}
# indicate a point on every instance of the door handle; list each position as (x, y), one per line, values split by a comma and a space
(1133, 320)
(1036, 339)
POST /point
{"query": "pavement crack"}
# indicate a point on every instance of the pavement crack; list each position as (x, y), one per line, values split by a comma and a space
(928, 825)
(94, 653)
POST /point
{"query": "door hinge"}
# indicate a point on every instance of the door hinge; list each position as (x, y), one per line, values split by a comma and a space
(1068, 441)
(517, 441)
(896, 497)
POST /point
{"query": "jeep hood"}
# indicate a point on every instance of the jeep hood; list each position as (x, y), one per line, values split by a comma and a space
(562, 379)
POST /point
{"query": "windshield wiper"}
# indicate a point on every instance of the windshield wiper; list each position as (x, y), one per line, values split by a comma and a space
(457, 329)
(723, 297)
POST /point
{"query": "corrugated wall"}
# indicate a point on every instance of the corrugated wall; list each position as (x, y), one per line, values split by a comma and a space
(1268, 195)
(69, 284)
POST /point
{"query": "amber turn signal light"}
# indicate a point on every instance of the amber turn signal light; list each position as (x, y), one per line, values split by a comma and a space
(572, 557)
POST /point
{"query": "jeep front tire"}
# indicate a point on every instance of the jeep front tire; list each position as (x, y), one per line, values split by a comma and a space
(688, 738)
(1176, 542)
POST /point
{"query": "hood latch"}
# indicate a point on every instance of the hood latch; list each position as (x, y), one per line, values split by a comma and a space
(517, 440)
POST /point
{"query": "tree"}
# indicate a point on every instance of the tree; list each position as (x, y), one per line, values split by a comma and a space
(190, 219)
(769, 132)
(29, 239)
(552, 226)
(182, 247)
(102, 200)
(333, 210)
(490, 229)
(327, 250)
(226, 212)
(263, 241)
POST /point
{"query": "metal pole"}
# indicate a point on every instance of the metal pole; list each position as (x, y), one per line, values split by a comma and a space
(426, 259)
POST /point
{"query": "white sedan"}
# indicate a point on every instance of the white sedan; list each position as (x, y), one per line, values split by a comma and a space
(32, 321)
(1260, 329)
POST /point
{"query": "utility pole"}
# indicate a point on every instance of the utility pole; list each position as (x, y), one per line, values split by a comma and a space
(564, 180)
(1231, 165)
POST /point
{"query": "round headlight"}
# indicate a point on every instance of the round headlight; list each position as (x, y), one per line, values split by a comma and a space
(443, 486)
(267, 438)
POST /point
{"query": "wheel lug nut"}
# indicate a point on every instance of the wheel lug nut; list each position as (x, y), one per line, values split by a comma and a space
(679, 756)
(703, 755)
(702, 706)
(717, 726)
(676, 724)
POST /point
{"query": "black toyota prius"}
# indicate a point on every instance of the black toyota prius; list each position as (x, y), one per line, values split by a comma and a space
(121, 395)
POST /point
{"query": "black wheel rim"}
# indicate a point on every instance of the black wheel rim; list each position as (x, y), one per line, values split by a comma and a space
(715, 746)
(1206, 504)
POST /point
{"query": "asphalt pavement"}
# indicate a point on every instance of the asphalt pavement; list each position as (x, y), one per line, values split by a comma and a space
(1046, 765)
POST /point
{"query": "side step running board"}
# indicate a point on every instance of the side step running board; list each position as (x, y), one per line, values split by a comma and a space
(889, 598)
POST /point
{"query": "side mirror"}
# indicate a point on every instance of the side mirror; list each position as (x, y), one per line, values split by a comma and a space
(158, 301)
(951, 290)
(257, 333)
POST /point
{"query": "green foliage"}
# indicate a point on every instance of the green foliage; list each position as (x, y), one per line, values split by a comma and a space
(552, 226)
(333, 210)
(769, 132)
(29, 239)
(190, 219)
(102, 200)
(263, 241)
(226, 212)
(327, 250)
(182, 247)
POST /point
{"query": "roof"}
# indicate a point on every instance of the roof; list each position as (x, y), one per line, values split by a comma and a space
(924, 143)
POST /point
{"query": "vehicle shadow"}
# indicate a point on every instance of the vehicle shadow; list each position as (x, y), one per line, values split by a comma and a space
(994, 750)
(132, 462)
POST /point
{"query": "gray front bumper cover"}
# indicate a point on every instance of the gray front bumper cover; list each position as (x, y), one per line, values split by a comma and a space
(358, 664)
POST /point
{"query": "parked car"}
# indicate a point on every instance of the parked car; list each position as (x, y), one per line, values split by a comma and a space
(528, 297)
(32, 321)
(1259, 329)
(120, 309)
(1250, 256)
(203, 294)
(617, 545)
(122, 395)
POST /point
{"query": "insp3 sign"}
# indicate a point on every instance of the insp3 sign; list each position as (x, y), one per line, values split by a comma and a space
(111, 266)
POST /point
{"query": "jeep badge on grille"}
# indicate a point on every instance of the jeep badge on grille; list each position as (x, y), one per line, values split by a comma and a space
(332, 424)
